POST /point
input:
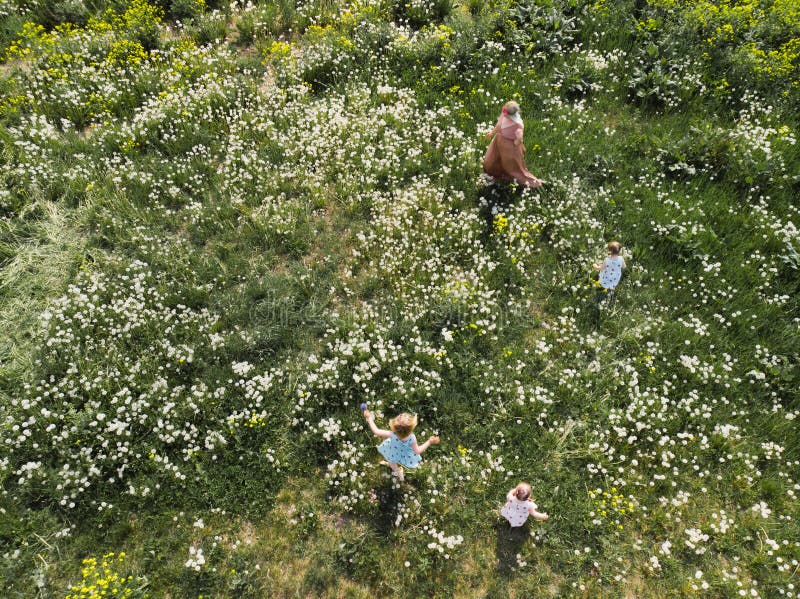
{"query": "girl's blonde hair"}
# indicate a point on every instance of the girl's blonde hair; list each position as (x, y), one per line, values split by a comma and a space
(403, 424)
(523, 491)
(614, 247)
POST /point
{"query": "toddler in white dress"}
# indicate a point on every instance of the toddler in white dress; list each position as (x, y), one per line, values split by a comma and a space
(519, 506)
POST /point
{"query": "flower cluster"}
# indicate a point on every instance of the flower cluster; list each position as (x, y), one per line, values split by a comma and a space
(442, 543)
(610, 508)
(103, 579)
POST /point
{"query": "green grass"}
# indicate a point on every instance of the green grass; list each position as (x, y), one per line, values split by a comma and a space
(234, 246)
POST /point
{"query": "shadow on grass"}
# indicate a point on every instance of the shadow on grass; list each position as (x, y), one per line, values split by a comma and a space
(390, 496)
(496, 198)
(510, 541)
(389, 500)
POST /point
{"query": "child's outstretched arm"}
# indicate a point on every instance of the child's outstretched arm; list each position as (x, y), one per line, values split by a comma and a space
(418, 449)
(378, 432)
(538, 515)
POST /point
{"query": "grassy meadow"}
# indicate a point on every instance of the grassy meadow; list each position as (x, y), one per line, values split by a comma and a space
(224, 225)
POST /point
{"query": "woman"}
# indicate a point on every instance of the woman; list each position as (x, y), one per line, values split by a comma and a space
(504, 158)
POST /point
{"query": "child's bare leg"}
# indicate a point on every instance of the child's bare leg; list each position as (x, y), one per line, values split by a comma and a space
(396, 470)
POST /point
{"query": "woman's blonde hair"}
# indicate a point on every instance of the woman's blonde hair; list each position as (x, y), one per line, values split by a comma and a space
(522, 491)
(614, 247)
(511, 107)
(403, 424)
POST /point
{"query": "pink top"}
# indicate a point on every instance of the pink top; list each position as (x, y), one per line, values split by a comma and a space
(508, 128)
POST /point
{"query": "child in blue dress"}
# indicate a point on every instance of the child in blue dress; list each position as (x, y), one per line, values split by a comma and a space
(611, 268)
(400, 446)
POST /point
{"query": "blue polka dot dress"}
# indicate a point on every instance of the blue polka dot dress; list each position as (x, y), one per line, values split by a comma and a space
(611, 274)
(400, 452)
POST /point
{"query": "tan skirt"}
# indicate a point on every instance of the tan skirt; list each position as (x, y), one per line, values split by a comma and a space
(505, 161)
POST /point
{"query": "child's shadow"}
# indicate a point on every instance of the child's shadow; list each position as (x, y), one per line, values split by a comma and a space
(510, 541)
(389, 499)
